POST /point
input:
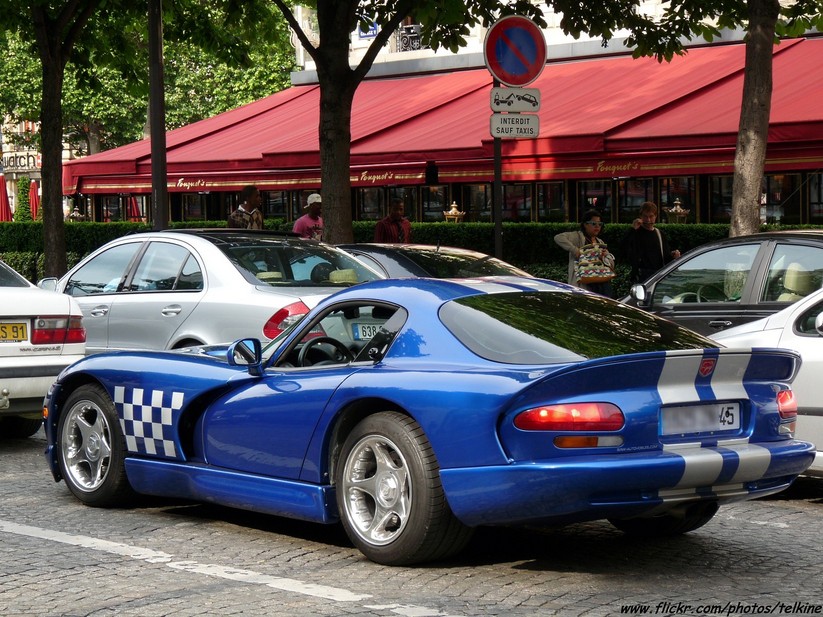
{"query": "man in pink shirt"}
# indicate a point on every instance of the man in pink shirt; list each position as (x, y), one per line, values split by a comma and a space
(310, 225)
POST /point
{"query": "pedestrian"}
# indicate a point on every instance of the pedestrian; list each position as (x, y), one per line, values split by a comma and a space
(645, 246)
(395, 228)
(247, 215)
(591, 265)
(310, 225)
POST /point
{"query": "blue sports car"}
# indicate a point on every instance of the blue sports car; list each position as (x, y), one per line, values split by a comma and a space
(415, 410)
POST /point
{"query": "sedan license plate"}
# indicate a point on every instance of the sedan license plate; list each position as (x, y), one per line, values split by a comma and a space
(709, 418)
(364, 331)
(13, 332)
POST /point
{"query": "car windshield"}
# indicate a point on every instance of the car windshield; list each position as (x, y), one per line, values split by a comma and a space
(10, 278)
(447, 264)
(296, 263)
(557, 327)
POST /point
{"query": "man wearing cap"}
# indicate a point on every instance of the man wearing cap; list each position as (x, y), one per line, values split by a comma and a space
(310, 225)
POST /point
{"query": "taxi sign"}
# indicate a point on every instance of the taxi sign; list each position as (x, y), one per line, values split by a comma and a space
(515, 126)
(515, 50)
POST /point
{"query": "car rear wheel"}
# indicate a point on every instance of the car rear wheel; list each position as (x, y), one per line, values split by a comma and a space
(389, 495)
(672, 523)
(91, 448)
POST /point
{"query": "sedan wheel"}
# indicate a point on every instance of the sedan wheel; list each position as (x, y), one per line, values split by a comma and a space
(389, 494)
(91, 450)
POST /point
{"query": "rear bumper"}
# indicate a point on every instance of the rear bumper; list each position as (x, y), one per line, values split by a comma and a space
(620, 485)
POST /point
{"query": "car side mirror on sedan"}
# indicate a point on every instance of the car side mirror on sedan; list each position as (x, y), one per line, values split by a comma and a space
(49, 283)
(247, 352)
(638, 292)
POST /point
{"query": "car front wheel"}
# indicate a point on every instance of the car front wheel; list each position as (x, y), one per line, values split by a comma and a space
(91, 448)
(389, 495)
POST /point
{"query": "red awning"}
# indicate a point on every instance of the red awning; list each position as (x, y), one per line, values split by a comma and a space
(599, 117)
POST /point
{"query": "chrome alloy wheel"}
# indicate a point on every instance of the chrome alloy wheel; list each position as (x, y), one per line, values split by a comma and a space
(376, 488)
(85, 445)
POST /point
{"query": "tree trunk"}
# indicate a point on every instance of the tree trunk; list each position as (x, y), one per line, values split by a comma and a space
(755, 109)
(51, 131)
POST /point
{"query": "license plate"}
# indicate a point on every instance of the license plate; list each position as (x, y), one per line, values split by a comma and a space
(364, 331)
(709, 418)
(13, 332)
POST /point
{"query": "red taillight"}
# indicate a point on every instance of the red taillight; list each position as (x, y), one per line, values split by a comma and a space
(787, 404)
(283, 318)
(58, 330)
(572, 417)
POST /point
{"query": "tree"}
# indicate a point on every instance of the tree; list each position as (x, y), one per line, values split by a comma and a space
(446, 23)
(111, 33)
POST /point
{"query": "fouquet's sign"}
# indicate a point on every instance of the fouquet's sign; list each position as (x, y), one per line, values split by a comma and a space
(21, 162)
(191, 183)
(374, 177)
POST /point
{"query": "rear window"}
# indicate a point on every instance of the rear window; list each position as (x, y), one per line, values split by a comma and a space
(459, 265)
(558, 327)
(10, 278)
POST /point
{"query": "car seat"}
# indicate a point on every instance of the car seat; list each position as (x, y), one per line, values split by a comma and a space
(797, 283)
(320, 273)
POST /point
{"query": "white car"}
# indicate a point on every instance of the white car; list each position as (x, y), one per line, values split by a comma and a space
(798, 327)
(41, 333)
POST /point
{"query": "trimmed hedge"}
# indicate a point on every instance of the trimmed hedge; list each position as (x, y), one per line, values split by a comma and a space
(530, 246)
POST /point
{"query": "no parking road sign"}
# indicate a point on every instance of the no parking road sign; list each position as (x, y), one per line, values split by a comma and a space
(515, 50)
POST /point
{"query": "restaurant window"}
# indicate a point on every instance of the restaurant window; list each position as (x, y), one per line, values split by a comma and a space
(720, 199)
(594, 195)
(193, 209)
(434, 200)
(551, 205)
(517, 202)
(275, 204)
(676, 198)
(780, 199)
(816, 199)
(409, 197)
(477, 203)
(370, 203)
(108, 209)
(631, 194)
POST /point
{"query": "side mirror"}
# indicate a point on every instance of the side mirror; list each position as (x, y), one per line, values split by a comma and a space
(247, 352)
(48, 283)
(638, 292)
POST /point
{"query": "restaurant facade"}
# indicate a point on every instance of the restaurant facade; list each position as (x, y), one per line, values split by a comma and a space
(614, 132)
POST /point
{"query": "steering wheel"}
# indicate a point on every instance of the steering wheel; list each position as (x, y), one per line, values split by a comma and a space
(339, 354)
(716, 295)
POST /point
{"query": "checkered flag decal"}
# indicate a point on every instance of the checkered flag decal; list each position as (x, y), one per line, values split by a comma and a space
(146, 419)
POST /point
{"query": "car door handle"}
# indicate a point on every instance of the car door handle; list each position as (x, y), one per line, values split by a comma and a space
(719, 324)
(171, 311)
(99, 311)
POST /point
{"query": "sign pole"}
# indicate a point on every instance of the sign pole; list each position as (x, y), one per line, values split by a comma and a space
(497, 197)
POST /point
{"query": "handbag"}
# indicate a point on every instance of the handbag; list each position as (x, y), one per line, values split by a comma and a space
(590, 267)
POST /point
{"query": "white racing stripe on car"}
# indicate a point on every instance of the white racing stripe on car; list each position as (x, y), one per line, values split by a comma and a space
(672, 387)
(753, 461)
(727, 379)
(702, 465)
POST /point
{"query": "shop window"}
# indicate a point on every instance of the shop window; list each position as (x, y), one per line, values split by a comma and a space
(780, 199)
(517, 202)
(477, 203)
(816, 199)
(720, 199)
(677, 199)
(409, 197)
(434, 200)
(193, 207)
(275, 204)
(551, 204)
(594, 195)
(369, 203)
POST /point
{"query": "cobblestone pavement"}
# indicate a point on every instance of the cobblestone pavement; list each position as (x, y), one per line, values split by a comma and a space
(165, 558)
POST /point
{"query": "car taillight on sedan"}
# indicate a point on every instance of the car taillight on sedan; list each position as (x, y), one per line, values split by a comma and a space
(284, 318)
(58, 330)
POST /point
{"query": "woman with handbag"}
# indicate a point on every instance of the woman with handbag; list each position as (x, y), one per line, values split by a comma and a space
(591, 265)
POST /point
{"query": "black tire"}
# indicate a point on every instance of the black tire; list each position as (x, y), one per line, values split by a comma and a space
(673, 523)
(389, 495)
(15, 427)
(91, 450)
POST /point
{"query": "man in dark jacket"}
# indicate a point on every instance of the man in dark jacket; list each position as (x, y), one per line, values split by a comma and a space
(644, 245)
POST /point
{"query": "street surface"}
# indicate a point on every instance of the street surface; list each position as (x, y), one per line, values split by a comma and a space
(166, 558)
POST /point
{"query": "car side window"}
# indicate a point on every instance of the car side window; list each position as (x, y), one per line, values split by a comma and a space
(159, 268)
(718, 275)
(805, 325)
(794, 272)
(104, 273)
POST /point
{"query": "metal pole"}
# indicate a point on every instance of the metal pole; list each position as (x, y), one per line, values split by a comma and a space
(157, 118)
(497, 199)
